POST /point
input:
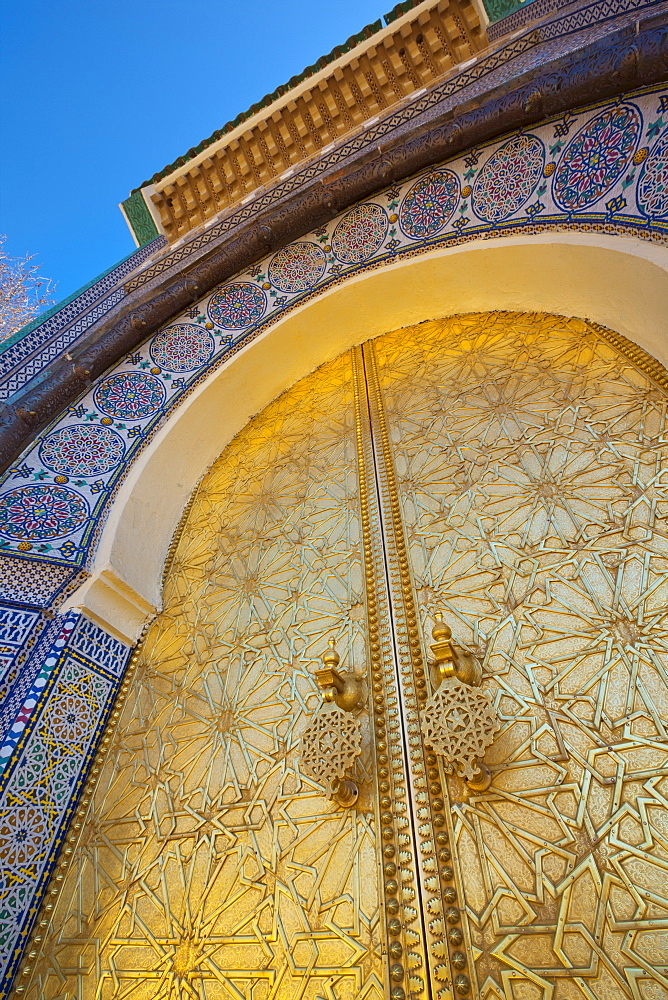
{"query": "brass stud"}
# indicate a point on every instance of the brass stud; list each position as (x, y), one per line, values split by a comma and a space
(462, 985)
(396, 951)
(397, 973)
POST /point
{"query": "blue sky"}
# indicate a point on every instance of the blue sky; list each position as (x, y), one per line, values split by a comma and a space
(97, 97)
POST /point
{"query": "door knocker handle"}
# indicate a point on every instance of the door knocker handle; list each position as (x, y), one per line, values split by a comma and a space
(459, 720)
(333, 740)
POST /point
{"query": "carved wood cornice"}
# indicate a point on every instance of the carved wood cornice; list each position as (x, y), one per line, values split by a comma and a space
(620, 62)
(411, 54)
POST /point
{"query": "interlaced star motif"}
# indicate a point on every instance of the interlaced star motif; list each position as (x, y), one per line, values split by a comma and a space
(330, 745)
(459, 722)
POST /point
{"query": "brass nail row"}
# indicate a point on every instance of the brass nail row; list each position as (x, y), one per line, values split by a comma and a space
(425, 765)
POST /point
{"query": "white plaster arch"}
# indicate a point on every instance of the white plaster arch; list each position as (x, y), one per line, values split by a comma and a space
(620, 282)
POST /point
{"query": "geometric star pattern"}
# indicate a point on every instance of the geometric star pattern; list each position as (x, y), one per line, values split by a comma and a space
(532, 461)
(211, 866)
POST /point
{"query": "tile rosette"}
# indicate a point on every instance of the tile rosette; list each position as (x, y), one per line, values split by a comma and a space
(237, 305)
(360, 233)
(182, 348)
(508, 178)
(130, 395)
(41, 512)
(429, 205)
(596, 157)
(652, 191)
(82, 450)
(297, 267)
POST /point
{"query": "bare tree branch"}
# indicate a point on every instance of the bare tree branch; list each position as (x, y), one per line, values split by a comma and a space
(24, 293)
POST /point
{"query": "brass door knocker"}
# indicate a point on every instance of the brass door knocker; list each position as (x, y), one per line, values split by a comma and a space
(459, 721)
(333, 740)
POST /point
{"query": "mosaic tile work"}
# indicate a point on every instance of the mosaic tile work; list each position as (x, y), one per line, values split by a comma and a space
(44, 341)
(508, 179)
(428, 206)
(82, 450)
(577, 17)
(594, 158)
(497, 9)
(19, 630)
(601, 169)
(47, 755)
(237, 305)
(41, 583)
(360, 233)
(22, 697)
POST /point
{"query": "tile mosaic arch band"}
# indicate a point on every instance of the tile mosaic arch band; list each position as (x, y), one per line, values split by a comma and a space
(601, 169)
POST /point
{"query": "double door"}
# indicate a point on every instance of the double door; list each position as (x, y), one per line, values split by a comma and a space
(506, 471)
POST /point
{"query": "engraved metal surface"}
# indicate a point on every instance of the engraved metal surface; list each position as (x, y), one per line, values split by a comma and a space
(210, 866)
(531, 459)
(508, 469)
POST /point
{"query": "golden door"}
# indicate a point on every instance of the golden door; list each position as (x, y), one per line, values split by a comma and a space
(508, 471)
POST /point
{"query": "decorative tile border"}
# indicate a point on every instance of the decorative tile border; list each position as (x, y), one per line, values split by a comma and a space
(568, 17)
(497, 10)
(30, 350)
(46, 760)
(23, 699)
(40, 582)
(54, 500)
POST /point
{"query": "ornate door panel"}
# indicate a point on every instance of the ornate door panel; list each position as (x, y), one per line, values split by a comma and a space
(506, 470)
(530, 460)
(210, 866)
